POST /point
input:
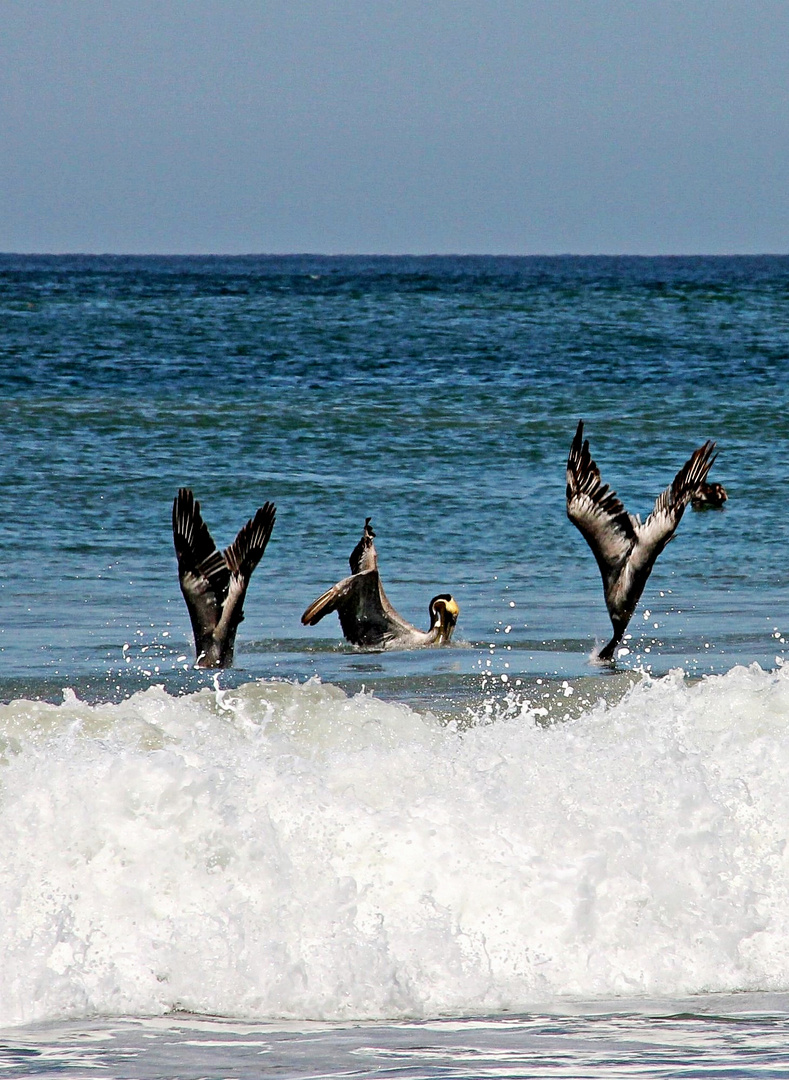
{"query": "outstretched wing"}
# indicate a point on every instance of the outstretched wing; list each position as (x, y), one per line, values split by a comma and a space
(359, 603)
(364, 556)
(670, 505)
(595, 510)
(242, 557)
(247, 549)
(202, 570)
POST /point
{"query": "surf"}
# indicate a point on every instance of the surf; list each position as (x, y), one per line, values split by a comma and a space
(286, 849)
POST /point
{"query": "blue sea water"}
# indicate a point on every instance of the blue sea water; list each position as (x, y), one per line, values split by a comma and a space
(497, 829)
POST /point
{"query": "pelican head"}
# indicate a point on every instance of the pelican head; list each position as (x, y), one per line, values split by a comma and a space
(444, 613)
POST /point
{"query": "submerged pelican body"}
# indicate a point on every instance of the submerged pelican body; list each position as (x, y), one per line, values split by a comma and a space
(625, 547)
(367, 618)
(709, 497)
(215, 583)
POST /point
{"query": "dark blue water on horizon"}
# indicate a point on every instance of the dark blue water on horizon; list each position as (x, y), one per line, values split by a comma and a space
(330, 835)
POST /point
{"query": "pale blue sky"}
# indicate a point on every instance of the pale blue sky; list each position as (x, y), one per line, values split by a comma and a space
(386, 126)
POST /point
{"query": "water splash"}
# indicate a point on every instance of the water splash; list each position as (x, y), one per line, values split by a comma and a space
(283, 849)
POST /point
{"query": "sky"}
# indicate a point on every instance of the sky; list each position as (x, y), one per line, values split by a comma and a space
(394, 126)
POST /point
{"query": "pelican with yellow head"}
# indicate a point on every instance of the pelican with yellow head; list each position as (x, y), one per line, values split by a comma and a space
(367, 618)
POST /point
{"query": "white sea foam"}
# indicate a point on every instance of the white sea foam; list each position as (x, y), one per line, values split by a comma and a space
(284, 850)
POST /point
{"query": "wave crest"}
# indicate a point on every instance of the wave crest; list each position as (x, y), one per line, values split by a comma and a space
(285, 850)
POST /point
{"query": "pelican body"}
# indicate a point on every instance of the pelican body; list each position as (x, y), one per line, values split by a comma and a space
(367, 618)
(709, 497)
(215, 583)
(625, 547)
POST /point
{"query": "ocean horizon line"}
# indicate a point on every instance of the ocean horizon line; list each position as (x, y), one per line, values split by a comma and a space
(389, 255)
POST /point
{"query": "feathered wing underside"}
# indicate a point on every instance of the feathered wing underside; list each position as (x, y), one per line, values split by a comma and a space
(626, 548)
(670, 505)
(364, 556)
(215, 583)
(242, 557)
(202, 571)
(366, 616)
(595, 510)
(357, 601)
(247, 549)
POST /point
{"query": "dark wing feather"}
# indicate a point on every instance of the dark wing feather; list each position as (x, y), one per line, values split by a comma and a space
(595, 510)
(196, 551)
(202, 571)
(670, 505)
(358, 602)
(331, 599)
(242, 557)
(247, 549)
(364, 556)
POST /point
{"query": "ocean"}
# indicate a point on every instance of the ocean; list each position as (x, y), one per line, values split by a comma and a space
(497, 858)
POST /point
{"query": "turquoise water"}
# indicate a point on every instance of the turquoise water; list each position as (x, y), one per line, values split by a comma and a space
(487, 830)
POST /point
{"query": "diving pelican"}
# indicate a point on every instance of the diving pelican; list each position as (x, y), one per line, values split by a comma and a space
(626, 548)
(367, 618)
(215, 583)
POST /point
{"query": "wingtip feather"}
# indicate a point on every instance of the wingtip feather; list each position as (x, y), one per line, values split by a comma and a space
(246, 551)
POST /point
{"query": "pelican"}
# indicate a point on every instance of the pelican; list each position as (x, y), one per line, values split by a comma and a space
(367, 618)
(709, 497)
(215, 583)
(626, 548)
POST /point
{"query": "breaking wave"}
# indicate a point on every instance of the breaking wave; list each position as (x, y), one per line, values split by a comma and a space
(285, 850)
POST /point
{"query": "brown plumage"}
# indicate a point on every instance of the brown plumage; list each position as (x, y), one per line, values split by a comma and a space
(367, 618)
(215, 583)
(709, 497)
(625, 547)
